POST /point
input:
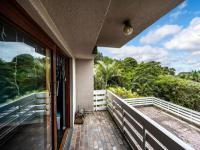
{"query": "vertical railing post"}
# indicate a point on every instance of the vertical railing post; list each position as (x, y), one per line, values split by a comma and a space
(112, 102)
(178, 110)
(168, 106)
(123, 128)
(18, 115)
(95, 101)
(105, 99)
(144, 138)
(113, 107)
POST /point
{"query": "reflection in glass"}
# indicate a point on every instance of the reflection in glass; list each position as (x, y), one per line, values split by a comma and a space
(24, 91)
(61, 96)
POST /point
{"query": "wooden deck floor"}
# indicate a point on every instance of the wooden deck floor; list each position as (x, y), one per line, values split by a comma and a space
(99, 132)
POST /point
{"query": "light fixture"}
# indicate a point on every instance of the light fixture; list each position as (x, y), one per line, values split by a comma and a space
(127, 28)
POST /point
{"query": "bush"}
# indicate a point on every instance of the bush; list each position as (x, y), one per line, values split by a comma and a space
(123, 93)
(180, 91)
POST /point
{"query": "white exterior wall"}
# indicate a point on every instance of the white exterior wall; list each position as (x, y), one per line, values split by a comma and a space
(84, 84)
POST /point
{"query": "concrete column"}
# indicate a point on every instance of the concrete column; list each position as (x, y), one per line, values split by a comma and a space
(84, 84)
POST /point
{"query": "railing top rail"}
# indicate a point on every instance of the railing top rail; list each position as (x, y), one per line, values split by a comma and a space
(138, 98)
(166, 102)
(20, 100)
(149, 124)
(96, 92)
(10, 104)
(190, 110)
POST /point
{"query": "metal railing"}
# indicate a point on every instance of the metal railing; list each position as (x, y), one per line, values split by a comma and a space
(182, 112)
(141, 131)
(21, 111)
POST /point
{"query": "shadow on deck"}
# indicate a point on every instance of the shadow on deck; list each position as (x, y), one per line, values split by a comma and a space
(99, 131)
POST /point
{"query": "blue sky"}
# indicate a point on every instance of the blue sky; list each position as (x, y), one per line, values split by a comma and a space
(173, 40)
(9, 50)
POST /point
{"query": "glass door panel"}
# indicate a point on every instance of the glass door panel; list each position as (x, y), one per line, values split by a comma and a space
(25, 102)
(61, 95)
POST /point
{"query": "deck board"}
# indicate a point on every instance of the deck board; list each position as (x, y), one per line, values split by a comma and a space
(99, 132)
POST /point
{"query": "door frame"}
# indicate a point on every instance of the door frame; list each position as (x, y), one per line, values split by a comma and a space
(67, 93)
(17, 16)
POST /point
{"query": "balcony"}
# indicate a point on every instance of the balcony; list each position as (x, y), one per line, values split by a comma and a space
(133, 125)
(98, 132)
(139, 123)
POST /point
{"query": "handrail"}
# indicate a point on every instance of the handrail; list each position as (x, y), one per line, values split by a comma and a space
(182, 112)
(149, 134)
(18, 112)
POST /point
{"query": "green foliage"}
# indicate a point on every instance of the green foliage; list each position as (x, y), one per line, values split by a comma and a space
(123, 93)
(8, 89)
(132, 79)
(129, 64)
(127, 67)
(104, 72)
(98, 57)
(179, 91)
(194, 75)
(23, 75)
(145, 75)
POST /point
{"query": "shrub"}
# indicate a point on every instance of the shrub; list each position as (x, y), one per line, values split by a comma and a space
(180, 91)
(123, 93)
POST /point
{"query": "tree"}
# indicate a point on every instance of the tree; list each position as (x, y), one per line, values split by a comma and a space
(194, 75)
(7, 86)
(145, 75)
(127, 67)
(25, 73)
(107, 71)
(148, 79)
(98, 78)
(129, 63)
(98, 57)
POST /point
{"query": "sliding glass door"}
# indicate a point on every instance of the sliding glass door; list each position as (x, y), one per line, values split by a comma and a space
(61, 95)
(25, 99)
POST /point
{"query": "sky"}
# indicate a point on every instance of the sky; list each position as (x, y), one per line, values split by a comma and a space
(173, 40)
(9, 50)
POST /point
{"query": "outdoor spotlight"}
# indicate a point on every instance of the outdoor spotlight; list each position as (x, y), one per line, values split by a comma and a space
(127, 28)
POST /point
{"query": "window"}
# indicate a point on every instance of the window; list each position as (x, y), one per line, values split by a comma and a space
(25, 75)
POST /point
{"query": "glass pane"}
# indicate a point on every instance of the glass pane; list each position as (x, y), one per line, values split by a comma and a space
(25, 113)
(61, 96)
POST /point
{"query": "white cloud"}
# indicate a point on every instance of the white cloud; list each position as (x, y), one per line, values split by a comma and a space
(182, 5)
(196, 53)
(9, 50)
(179, 11)
(140, 53)
(160, 33)
(179, 48)
(188, 38)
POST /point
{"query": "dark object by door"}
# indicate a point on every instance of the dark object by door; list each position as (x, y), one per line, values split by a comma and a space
(61, 95)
